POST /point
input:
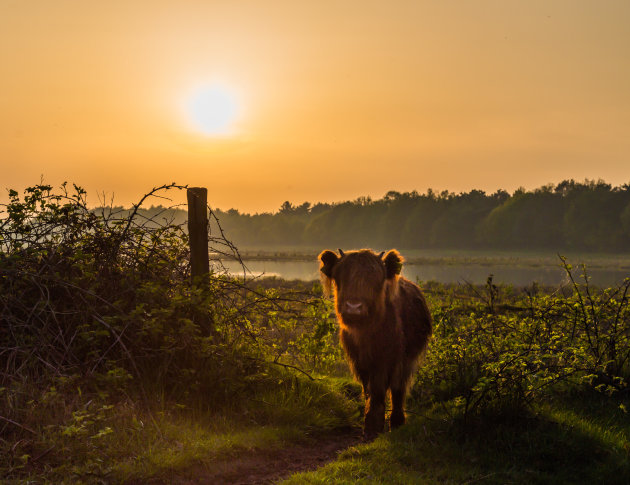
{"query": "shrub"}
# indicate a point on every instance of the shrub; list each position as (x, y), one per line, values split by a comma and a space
(100, 300)
(491, 349)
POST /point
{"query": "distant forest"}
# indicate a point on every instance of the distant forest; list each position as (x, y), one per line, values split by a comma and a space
(585, 216)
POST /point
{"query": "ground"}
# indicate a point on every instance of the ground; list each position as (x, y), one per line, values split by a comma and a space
(266, 467)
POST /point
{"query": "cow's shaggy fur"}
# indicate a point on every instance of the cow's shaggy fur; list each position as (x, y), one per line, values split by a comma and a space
(385, 326)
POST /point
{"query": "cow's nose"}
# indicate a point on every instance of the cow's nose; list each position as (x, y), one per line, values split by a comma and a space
(354, 307)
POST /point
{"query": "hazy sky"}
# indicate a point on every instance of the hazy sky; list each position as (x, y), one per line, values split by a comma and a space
(336, 99)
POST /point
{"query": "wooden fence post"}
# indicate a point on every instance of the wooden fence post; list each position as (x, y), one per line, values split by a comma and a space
(198, 231)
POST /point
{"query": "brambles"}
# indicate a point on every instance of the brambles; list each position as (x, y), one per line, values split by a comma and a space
(493, 349)
(96, 307)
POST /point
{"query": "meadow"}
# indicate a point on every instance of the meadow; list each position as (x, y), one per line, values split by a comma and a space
(516, 268)
(116, 368)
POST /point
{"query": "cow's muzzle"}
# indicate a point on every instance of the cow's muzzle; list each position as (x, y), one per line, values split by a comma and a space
(354, 307)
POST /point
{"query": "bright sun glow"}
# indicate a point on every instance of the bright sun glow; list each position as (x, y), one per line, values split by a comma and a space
(213, 110)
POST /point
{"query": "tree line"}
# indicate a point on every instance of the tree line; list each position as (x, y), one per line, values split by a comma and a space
(585, 216)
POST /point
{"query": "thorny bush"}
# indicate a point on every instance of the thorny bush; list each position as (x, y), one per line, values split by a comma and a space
(496, 347)
(100, 300)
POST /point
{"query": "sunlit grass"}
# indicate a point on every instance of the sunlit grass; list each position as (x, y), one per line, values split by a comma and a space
(127, 441)
(184, 445)
(581, 440)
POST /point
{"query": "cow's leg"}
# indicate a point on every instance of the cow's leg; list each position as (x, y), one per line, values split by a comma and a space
(398, 388)
(375, 409)
(398, 407)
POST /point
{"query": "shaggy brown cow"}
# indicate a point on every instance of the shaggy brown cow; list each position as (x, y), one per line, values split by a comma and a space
(385, 326)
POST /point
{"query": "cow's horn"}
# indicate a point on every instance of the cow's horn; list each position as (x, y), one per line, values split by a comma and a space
(380, 256)
(340, 252)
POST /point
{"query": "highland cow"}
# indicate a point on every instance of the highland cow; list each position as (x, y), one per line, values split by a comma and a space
(385, 326)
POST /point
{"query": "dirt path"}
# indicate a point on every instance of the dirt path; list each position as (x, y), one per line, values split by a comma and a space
(265, 467)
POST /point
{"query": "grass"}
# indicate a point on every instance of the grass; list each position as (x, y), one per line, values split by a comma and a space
(125, 443)
(186, 444)
(582, 439)
(572, 438)
(457, 257)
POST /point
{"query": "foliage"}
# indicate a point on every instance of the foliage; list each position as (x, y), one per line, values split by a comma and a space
(97, 309)
(496, 348)
(582, 439)
(586, 216)
(105, 340)
(526, 220)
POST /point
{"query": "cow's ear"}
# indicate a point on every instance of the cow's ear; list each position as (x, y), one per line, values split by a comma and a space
(328, 260)
(393, 263)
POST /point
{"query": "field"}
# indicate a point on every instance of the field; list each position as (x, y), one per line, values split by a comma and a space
(117, 369)
(516, 258)
(516, 268)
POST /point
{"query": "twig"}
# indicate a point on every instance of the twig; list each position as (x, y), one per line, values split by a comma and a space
(42, 455)
(26, 428)
(294, 367)
(478, 479)
(288, 366)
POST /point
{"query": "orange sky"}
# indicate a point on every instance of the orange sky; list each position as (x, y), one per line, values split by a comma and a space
(338, 98)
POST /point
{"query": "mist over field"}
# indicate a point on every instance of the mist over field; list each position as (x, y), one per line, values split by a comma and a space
(586, 217)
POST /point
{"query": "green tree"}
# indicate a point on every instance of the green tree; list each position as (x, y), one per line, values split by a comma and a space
(526, 220)
(457, 226)
(592, 219)
(417, 230)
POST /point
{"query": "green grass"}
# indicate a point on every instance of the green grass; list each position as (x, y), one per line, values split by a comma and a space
(290, 410)
(185, 445)
(124, 442)
(579, 440)
(484, 257)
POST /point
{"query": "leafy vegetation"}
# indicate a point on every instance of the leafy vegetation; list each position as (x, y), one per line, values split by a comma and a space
(103, 337)
(581, 439)
(505, 348)
(588, 216)
(116, 368)
(522, 385)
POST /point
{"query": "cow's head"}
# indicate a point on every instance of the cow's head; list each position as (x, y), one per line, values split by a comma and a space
(362, 282)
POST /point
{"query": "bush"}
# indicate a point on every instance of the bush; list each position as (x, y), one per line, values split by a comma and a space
(100, 301)
(493, 348)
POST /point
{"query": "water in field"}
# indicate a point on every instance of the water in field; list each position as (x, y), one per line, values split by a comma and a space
(551, 274)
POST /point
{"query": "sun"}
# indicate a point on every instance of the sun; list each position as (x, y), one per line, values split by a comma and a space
(212, 110)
